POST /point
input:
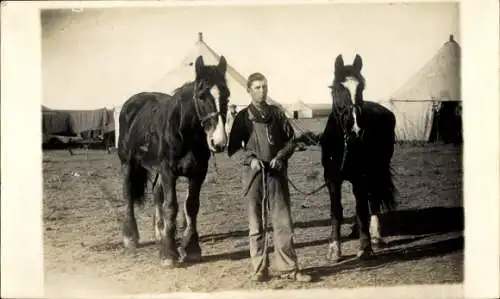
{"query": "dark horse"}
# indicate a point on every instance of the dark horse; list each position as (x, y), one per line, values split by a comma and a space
(172, 136)
(357, 146)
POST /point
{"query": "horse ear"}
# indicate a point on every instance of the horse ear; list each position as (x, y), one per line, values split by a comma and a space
(199, 65)
(358, 63)
(339, 63)
(222, 65)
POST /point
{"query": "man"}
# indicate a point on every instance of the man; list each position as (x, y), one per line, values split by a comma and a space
(262, 140)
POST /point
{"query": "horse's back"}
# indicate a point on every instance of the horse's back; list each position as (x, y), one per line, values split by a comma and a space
(379, 131)
(375, 113)
(140, 117)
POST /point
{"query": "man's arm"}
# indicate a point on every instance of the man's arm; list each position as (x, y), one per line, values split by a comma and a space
(287, 151)
(240, 132)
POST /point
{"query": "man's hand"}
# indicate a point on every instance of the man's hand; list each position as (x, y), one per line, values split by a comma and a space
(255, 164)
(276, 164)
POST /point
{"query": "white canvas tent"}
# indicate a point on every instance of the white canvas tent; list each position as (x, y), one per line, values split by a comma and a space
(298, 109)
(185, 72)
(415, 104)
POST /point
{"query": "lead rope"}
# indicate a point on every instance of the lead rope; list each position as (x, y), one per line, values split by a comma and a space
(215, 165)
(265, 209)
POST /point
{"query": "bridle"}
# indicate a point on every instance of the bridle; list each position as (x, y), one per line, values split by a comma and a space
(203, 119)
(347, 135)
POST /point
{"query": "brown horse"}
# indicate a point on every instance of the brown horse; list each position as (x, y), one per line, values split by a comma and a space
(357, 145)
(173, 136)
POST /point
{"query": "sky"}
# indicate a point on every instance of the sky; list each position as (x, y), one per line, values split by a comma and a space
(99, 57)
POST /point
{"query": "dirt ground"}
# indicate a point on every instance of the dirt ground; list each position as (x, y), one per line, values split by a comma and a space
(82, 228)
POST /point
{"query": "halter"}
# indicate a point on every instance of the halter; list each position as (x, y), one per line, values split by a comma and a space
(347, 135)
(205, 118)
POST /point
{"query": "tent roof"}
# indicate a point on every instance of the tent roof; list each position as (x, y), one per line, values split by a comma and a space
(185, 72)
(438, 79)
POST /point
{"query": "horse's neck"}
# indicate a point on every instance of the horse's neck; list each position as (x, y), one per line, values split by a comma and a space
(189, 121)
(336, 126)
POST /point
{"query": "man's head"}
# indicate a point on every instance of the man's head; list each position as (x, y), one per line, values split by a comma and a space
(257, 88)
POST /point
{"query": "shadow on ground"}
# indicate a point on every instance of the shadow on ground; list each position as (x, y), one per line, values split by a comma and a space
(387, 257)
(423, 221)
(415, 224)
(403, 222)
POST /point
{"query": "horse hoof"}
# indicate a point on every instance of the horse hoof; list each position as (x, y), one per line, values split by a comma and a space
(158, 239)
(365, 254)
(169, 263)
(130, 243)
(333, 255)
(190, 258)
(378, 243)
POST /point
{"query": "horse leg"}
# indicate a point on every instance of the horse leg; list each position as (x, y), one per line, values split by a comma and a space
(382, 193)
(190, 247)
(334, 248)
(158, 217)
(182, 224)
(376, 239)
(168, 248)
(129, 227)
(362, 219)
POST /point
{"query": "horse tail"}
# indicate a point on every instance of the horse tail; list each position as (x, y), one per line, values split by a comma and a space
(137, 179)
(383, 190)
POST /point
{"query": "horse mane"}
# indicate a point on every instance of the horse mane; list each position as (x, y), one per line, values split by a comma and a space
(181, 91)
(181, 96)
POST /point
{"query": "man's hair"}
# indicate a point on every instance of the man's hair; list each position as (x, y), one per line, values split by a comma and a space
(255, 77)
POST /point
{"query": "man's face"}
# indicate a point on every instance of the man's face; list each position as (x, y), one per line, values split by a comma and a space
(258, 91)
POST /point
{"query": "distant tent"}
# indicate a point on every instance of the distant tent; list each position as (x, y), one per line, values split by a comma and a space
(76, 124)
(321, 109)
(90, 120)
(56, 122)
(302, 110)
(185, 72)
(298, 109)
(428, 105)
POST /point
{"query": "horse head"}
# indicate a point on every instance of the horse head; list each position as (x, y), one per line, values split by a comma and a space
(347, 94)
(210, 98)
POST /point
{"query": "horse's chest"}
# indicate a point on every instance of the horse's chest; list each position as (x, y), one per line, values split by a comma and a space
(188, 164)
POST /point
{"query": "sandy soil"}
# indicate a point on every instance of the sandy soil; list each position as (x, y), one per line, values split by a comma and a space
(83, 209)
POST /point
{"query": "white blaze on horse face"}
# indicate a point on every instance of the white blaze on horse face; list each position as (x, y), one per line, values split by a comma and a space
(351, 84)
(218, 138)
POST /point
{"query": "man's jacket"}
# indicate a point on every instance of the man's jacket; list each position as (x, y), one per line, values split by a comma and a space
(250, 139)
